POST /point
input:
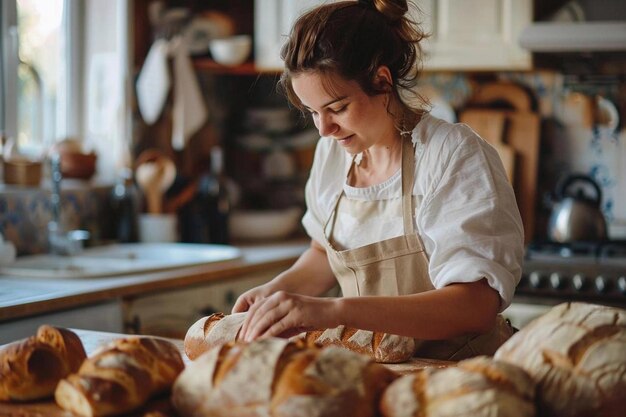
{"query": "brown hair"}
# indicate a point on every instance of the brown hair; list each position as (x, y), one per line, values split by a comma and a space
(353, 39)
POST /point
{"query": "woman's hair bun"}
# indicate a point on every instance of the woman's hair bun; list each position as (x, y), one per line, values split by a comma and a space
(393, 10)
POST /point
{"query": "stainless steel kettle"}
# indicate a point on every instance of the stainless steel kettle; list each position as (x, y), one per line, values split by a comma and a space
(576, 216)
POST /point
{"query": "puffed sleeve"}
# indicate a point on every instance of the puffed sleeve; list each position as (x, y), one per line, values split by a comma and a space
(469, 220)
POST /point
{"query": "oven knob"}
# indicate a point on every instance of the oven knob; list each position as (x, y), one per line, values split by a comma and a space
(602, 283)
(556, 281)
(579, 281)
(535, 279)
(621, 284)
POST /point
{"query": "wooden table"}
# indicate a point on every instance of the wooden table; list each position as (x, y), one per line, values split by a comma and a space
(93, 340)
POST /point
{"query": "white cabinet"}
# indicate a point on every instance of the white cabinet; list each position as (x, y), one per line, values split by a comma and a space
(272, 22)
(475, 34)
(465, 34)
(105, 317)
(171, 313)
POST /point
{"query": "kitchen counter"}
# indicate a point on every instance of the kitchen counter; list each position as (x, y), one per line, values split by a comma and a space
(25, 296)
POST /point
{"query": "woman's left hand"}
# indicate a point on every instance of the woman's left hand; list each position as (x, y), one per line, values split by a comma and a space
(285, 314)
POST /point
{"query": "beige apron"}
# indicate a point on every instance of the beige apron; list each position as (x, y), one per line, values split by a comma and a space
(399, 266)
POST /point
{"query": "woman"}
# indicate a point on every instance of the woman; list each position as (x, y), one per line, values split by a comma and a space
(413, 216)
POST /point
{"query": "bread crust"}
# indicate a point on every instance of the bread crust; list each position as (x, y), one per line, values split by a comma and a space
(576, 353)
(30, 369)
(277, 377)
(477, 387)
(120, 377)
(203, 334)
(219, 328)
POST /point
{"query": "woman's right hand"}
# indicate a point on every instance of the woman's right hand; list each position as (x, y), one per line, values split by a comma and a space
(248, 298)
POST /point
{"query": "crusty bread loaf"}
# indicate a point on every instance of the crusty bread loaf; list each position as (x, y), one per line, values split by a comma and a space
(576, 353)
(382, 347)
(477, 387)
(30, 369)
(218, 329)
(211, 331)
(120, 377)
(276, 377)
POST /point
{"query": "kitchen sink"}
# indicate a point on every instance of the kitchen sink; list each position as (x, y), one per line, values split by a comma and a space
(120, 259)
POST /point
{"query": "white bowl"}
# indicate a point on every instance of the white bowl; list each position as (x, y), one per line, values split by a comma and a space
(264, 224)
(233, 50)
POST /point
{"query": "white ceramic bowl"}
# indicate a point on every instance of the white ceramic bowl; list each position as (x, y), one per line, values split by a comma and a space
(233, 50)
(264, 224)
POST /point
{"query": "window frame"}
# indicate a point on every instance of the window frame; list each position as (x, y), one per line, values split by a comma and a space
(71, 99)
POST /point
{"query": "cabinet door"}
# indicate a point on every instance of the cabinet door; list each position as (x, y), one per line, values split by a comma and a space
(272, 22)
(474, 34)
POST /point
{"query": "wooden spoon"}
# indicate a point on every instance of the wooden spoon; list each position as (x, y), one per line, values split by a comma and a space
(155, 177)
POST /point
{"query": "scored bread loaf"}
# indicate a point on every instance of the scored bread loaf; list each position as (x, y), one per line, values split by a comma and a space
(477, 387)
(382, 347)
(576, 353)
(120, 377)
(280, 378)
(211, 331)
(30, 369)
(219, 328)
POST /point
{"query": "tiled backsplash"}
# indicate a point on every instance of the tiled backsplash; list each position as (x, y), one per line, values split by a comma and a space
(25, 213)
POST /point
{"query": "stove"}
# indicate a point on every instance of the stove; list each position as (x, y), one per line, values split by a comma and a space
(593, 272)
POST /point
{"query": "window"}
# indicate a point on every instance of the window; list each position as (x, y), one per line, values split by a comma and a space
(39, 61)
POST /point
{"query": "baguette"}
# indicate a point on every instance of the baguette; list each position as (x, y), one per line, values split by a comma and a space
(477, 387)
(218, 329)
(120, 377)
(576, 353)
(277, 377)
(30, 369)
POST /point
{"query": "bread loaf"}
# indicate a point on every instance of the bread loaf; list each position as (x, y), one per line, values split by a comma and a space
(211, 331)
(218, 329)
(276, 377)
(477, 387)
(576, 353)
(120, 377)
(30, 369)
(382, 347)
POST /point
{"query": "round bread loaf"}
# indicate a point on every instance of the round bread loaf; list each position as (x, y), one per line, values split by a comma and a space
(280, 378)
(576, 353)
(477, 387)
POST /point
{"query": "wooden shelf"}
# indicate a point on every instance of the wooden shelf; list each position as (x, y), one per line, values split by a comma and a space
(247, 68)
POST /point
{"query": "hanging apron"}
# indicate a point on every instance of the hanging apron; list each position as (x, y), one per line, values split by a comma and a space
(399, 266)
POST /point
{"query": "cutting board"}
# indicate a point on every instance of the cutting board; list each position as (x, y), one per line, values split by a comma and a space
(522, 134)
(490, 125)
(158, 407)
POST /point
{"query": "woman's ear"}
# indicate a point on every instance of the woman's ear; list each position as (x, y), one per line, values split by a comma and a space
(383, 80)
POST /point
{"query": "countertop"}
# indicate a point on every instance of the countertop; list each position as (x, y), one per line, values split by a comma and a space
(22, 297)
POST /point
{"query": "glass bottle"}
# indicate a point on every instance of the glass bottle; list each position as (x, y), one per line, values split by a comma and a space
(214, 198)
(125, 208)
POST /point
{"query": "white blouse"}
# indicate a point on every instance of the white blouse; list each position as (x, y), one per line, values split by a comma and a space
(465, 208)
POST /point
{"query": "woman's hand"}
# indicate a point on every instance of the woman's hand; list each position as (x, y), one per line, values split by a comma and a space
(248, 298)
(285, 314)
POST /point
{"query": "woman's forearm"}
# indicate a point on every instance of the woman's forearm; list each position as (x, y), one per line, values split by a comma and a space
(310, 274)
(438, 314)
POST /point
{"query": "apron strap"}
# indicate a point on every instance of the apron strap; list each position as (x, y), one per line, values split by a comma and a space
(408, 178)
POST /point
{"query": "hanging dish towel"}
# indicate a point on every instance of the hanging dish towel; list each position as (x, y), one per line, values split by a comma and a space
(153, 83)
(190, 112)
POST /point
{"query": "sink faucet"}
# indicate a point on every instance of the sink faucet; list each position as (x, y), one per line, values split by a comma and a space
(60, 241)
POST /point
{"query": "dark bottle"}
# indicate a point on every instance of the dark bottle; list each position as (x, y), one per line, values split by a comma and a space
(125, 208)
(214, 199)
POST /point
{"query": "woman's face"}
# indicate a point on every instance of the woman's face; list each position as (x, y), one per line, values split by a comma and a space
(348, 115)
